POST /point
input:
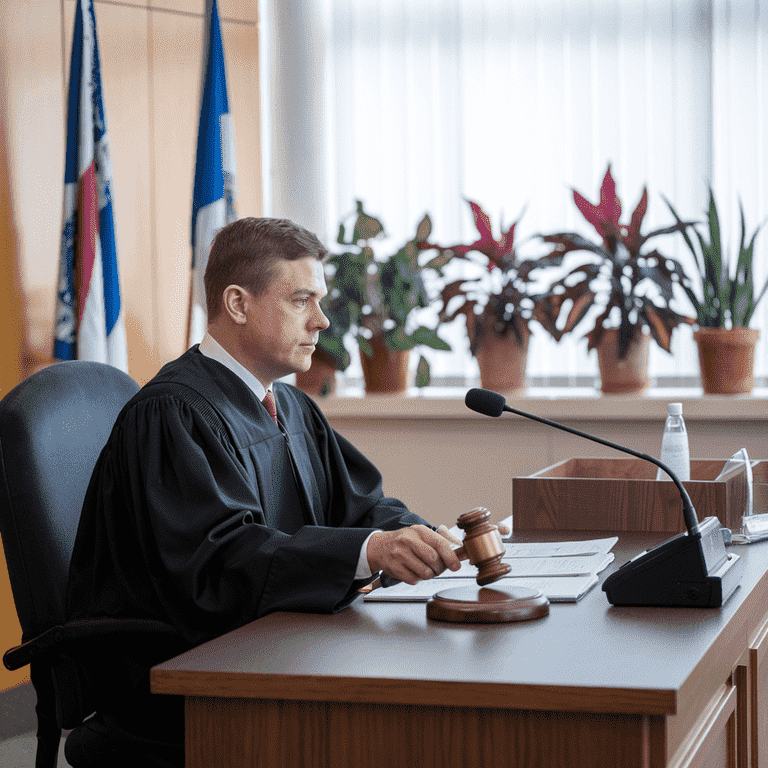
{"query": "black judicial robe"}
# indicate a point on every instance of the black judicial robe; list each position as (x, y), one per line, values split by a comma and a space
(203, 513)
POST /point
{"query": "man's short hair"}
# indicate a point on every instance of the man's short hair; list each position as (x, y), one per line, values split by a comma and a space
(247, 251)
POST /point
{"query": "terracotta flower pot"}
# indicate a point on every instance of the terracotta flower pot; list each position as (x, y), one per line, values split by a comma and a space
(320, 379)
(503, 361)
(626, 375)
(727, 359)
(387, 371)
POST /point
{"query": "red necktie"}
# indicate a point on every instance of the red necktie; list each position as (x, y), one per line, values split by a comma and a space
(269, 404)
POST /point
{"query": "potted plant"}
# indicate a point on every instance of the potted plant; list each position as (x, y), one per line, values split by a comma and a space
(497, 304)
(375, 296)
(618, 280)
(724, 305)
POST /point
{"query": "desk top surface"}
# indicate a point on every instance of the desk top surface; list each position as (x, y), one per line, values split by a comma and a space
(585, 656)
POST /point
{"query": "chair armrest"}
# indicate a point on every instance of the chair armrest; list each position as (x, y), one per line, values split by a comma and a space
(20, 655)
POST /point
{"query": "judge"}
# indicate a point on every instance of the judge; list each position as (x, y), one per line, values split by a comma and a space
(223, 495)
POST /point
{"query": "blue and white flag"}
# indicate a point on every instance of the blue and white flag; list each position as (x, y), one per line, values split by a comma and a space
(213, 203)
(89, 322)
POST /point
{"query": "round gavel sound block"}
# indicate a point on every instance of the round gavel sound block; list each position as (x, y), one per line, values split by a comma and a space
(485, 549)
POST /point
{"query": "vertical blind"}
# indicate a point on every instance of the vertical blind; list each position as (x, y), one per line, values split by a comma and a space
(414, 108)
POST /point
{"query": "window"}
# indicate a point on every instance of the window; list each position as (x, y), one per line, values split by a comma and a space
(413, 107)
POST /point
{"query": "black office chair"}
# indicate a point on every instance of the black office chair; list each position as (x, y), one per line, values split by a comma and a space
(52, 428)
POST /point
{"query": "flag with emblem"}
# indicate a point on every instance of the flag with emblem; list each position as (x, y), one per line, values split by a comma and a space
(89, 322)
(214, 194)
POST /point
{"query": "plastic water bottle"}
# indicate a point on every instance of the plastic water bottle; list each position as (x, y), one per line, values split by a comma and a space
(674, 445)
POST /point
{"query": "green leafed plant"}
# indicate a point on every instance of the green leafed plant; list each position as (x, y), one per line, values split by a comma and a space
(372, 295)
(723, 299)
(619, 278)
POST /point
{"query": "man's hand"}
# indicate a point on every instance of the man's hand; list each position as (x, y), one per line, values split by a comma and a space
(412, 554)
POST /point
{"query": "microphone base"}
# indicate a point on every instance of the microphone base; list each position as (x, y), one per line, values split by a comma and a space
(689, 570)
(487, 605)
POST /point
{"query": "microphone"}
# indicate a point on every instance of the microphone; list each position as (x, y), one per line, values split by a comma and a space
(691, 569)
(493, 404)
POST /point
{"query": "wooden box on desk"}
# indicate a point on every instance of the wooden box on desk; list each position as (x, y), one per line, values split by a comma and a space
(623, 495)
(760, 487)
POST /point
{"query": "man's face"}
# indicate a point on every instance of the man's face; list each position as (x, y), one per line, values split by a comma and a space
(283, 323)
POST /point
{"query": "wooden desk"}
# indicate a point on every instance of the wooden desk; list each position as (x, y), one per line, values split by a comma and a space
(589, 685)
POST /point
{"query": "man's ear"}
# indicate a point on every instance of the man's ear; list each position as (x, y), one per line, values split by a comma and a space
(235, 301)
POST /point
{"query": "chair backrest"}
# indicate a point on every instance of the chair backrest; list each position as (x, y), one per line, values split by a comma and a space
(52, 429)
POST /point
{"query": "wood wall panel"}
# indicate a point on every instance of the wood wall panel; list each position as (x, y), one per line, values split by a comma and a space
(152, 118)
(175, 42)
(11, 355)
(151, 59)
(31, 76)
(242, 10)
(175, 45)
(239, 10)
(11, 305)
(10, 629)
(241, 47)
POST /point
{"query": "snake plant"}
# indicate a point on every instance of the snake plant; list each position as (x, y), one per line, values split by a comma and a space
(724, 299)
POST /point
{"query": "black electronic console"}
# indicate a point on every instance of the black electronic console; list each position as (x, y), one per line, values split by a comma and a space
(691, 569)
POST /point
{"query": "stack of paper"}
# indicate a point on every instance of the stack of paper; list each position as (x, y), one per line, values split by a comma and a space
(563, 571)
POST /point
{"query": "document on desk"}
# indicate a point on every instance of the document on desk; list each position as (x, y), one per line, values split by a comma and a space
(560, 548)
(559, 589)
(563, 571)
(541, 566)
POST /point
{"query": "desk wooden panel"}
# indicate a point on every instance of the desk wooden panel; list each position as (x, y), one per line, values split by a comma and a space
(381, 685)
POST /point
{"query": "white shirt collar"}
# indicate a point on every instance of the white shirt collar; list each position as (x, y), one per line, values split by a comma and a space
(211, 348)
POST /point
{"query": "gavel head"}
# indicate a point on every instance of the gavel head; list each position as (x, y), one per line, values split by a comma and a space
(483, 545)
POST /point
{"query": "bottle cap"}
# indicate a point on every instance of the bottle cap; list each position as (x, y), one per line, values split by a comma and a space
(675, 409)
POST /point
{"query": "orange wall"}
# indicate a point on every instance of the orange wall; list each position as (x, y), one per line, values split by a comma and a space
(151, 70)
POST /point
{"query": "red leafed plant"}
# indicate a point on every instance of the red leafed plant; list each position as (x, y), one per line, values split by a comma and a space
(632, 286)
(498, 302)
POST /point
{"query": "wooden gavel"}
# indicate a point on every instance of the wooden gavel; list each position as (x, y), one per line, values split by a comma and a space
(480, 605)
(483, 546)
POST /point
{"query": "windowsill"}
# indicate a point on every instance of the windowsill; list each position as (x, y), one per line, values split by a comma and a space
(571, 404)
